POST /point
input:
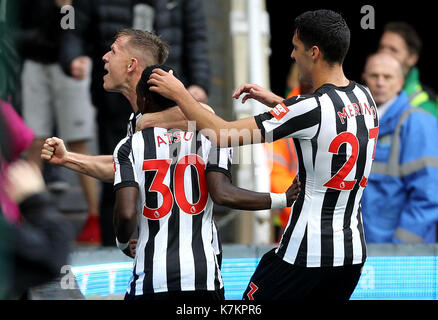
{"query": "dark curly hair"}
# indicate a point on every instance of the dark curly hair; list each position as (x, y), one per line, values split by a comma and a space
(327, 30)
(147, 99)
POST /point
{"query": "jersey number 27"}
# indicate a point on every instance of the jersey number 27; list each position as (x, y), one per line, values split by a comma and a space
(338, 180)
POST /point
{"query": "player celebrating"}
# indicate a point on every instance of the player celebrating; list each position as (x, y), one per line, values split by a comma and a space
(162, 180)
(335, 129)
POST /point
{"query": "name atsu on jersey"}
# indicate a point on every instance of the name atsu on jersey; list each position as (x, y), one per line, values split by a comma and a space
(175, 137)
(353, 110)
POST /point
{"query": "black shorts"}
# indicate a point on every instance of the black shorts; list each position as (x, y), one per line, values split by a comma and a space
(189, 296)
(276, 279)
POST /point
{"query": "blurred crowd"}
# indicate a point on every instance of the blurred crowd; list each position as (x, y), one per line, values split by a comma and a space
(52, 85)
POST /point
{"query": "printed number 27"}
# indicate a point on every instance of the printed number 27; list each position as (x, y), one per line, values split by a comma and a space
(338, 180)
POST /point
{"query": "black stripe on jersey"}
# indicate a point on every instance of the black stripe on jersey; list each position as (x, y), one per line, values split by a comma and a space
(302, 251)
(151, 198)
(314, 140)
(198, 253)
(298, 206)
(196, 148)
(303, 121)
(331, 196)
(362, 136)
(173, 269)
(134, 280)
(214, 160)
(197, 244)
(126, 172)
(154, 227)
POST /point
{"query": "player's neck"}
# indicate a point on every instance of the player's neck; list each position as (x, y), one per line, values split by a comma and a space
(130, 93)
(330, 74)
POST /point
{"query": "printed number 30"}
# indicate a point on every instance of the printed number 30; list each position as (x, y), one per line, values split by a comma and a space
(161, 166)
(338, 181)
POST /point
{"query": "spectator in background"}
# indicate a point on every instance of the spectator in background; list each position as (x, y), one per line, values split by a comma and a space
(53, 100)
(402, 41)
(180, 23)
(35, 244)
(39, 245)
(400, 203)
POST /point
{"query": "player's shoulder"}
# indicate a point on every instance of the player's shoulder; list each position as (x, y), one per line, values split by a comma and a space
(302, 99)
(145, 132)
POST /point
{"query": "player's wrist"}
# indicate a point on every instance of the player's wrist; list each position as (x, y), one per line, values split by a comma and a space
(278, 200)
(122, 245)
(68, 157)
(275, 101)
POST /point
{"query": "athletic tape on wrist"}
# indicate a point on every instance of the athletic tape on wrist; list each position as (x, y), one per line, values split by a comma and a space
(278, 200)
(121, 246)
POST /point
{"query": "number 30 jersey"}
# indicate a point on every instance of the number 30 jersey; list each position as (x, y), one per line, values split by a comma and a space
(335, 132)
(174, 210)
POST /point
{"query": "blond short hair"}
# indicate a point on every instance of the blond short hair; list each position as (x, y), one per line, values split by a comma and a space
(147, 45)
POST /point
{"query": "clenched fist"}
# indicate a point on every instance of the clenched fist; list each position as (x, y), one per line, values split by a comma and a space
(54, 151)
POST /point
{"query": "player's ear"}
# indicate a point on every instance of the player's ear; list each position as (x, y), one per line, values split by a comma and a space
(132, 65)
(315, 52)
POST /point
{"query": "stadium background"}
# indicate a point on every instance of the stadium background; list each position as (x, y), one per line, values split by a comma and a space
(391, 272)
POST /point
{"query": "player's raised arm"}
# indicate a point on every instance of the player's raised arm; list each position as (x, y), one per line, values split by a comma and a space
(171, 118)
(253, 91)
(228, 133)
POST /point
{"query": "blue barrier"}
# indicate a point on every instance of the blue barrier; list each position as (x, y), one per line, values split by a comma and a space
(383, 278)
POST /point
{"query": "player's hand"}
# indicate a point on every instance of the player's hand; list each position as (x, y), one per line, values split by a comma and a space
(131, 249)
(61, 3)
(253, 91)
(293, 191)
(80, 67)
(23, 180)
(198, 93)
(54, 151)
(166, 84)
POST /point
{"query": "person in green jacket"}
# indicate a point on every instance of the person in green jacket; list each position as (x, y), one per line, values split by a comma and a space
(401, 41)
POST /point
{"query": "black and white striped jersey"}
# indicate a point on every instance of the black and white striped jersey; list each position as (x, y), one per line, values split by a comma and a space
(132, 122)
(133, 118)
(175, 250)
(335, 132)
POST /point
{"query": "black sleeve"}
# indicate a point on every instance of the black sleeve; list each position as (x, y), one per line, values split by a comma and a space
(124, 166)
(220, 160)
(40, 244)
(195, 51)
